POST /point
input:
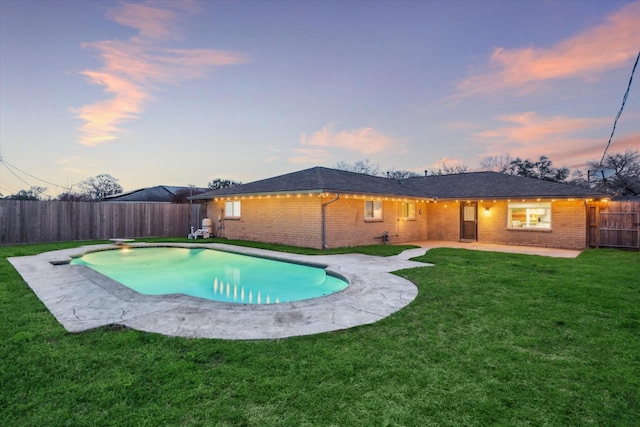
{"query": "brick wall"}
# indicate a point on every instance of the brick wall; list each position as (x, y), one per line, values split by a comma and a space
(346, 225)
(444, 221)
(568, 225)
(297, 221)
(289, 220)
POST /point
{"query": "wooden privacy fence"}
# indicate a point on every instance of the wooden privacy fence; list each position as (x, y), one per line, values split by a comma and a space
(27, 221)
(615, 225)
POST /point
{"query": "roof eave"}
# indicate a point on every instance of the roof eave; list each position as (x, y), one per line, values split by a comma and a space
(593, 197)
(302, 192)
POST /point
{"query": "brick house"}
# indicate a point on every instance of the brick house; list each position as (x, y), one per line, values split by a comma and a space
(324, 208)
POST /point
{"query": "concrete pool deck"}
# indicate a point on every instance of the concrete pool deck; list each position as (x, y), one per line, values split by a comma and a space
(82, 299)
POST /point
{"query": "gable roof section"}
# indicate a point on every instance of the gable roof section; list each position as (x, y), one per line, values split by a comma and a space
(473, 185)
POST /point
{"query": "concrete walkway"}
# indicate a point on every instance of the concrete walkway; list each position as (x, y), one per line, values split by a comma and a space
(82, 299)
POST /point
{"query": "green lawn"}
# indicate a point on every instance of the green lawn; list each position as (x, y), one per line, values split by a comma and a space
(491, 339)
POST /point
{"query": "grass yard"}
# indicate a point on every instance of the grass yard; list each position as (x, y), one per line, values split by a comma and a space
(491, 339)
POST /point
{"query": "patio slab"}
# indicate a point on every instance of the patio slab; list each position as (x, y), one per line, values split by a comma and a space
(478, 246)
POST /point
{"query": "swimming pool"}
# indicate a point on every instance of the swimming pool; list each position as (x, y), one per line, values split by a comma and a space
(211, 274)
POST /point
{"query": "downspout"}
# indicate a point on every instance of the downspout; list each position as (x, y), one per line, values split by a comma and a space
(324, 221)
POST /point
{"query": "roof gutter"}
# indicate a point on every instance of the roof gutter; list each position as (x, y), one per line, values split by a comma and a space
(206, 196)
(324, 221)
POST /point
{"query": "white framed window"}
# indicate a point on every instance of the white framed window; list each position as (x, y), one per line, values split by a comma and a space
(534, 215)
(373, 210)
(408, 210)
(232, 209)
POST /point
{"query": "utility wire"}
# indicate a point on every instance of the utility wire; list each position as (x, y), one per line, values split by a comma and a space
(624, 100)
(7, 188)
(9, 166)
(15, 174)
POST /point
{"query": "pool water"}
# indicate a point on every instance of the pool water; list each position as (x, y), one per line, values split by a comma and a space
(211, 274)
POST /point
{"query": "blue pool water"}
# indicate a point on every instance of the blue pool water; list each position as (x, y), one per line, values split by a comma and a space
(211, 274)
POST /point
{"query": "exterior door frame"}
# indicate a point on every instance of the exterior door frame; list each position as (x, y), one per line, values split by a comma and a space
(469, 221)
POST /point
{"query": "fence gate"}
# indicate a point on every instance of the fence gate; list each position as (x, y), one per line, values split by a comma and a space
(619, 230)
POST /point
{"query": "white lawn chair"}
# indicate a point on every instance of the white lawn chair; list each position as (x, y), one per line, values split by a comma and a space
(196, 233)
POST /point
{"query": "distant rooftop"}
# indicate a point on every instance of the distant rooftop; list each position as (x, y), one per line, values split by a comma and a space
(158, 194)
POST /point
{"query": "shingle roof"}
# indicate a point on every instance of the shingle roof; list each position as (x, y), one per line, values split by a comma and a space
(318, 180)
(473, 185)
(485, 185)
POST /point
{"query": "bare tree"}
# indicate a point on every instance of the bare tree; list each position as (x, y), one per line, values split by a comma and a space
(71, 196)
(400, 174)
(33, 193)
(446, 169)
(625, 174)
(496, 163)
(100, 186)
(360, 166)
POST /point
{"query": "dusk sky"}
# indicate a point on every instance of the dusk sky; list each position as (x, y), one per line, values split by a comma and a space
(182, 92)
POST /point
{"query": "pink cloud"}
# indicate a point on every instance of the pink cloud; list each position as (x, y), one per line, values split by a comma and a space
(134, 68)
(101, 118)
(309, 155)
(530, 129)
(448, 161)
(610, 45)
(150, 21)
(364, 141)
(562, 139)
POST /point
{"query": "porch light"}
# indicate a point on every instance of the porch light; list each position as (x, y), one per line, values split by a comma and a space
(487, 210)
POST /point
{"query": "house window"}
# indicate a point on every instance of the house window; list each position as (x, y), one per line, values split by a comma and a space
(372, 210)
(408, 210)
(529, 215)
(232, 209)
